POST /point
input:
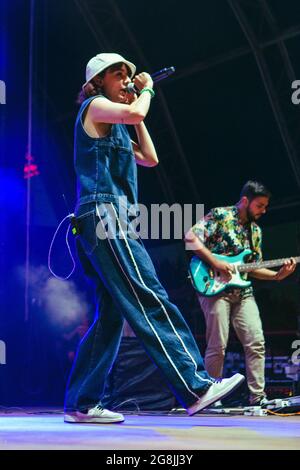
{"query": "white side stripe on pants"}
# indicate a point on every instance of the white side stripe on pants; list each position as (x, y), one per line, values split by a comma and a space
(142, 307)
(157, 299)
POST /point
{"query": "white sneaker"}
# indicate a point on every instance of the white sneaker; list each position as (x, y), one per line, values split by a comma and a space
(219, 389)
(217, 404)
(94, 415)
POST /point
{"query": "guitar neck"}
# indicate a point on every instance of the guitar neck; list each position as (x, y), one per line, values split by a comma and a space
(247, 267)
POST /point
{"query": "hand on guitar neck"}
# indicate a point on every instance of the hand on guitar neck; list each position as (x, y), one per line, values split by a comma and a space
(289, 266)
(287, 269)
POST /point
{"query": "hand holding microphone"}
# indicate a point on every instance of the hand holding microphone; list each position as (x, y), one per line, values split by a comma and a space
(140, 81)
(143, 80)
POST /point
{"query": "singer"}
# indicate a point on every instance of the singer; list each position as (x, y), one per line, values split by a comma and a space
(126, 282)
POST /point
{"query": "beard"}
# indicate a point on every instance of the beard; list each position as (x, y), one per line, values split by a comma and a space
(251, 217)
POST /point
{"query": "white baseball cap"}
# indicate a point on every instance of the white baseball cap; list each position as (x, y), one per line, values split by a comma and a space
(102, 61)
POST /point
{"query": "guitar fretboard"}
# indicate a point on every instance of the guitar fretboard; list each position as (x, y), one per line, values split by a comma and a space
(247, 267)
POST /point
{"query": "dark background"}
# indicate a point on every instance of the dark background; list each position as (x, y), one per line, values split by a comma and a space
(224, 117)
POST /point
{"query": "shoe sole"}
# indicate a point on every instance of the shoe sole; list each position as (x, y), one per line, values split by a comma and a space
(91, 420)
(220, 396)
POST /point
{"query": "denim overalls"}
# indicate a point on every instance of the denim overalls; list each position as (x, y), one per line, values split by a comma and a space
(126, 282)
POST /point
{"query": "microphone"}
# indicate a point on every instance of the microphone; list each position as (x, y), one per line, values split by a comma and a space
(156, 77)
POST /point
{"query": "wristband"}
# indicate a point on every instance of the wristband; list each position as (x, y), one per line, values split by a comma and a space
(152, 92)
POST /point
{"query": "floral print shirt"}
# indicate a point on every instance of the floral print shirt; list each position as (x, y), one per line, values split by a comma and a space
(222, 232)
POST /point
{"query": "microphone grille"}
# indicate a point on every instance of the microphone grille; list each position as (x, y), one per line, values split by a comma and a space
(131, 88)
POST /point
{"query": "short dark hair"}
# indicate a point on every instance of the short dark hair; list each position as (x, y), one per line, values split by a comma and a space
(253, 189)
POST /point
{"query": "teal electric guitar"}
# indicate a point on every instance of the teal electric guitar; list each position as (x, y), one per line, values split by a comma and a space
(209, 282)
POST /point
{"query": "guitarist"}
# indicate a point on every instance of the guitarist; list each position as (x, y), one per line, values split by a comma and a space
(228, 231)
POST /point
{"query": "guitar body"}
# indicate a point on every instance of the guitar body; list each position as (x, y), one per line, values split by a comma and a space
(209, 282)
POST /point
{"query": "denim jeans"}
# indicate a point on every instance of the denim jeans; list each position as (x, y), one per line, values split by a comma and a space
(127, 287)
